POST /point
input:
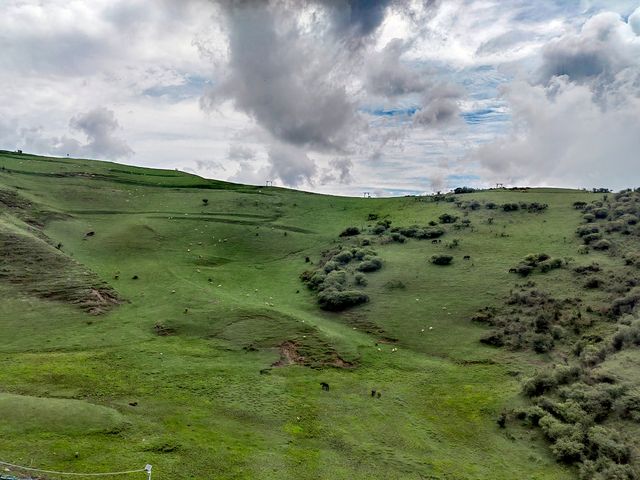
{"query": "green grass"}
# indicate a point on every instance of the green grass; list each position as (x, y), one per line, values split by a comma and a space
(225, 279)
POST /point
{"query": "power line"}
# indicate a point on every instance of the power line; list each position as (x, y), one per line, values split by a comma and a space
(146, 469)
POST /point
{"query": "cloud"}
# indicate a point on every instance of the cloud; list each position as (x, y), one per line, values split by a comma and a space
(340, 172)
(285, 80)
(388, 77)
(291, 165)
(577, 124)
(604, 46)
(99, 125)
(634, 21)
(241, 153)
(440, 107)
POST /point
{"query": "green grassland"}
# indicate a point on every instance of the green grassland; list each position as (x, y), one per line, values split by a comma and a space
(169, 370)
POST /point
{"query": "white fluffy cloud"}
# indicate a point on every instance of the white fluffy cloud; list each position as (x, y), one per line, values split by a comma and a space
(579, 125)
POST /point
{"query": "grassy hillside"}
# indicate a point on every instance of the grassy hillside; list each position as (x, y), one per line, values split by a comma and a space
(152, 316)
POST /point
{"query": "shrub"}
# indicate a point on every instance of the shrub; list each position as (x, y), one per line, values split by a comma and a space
(593, 282)
(542, 343)
(441, 259)
(567, 450)
(398, 237)
(510, 207)
(330, 266)
(430, 233)
(335, 300)
(494, 339)
(586, 230)
(523, 269)
(378, 229)
(361, 279)
(629, 405)
(591, 238)
(370, 265)
(336, 280)
(550, 264)
(372, 216)
(607, 443)
(343, 257)
(316, 280)
(350, 232)
(601, 213)
(554, 429)
(588, 217)
(539, 384)
(602, 245)
(447, 218)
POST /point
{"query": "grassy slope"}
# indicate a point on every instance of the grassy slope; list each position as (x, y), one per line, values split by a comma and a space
(203, 408)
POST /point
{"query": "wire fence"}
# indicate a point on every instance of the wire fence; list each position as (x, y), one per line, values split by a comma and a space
(146, 470)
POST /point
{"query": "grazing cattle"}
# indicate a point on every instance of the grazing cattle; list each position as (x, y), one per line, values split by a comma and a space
(307, 259)
(135, 277)
(265, 371)
(467, 257)
(439, 241)
(325, 386)
(512, 270)
(378, 394)
(434, 241)
(89, 234)
(373, 393)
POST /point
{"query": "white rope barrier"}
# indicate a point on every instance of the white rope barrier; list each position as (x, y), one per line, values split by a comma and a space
(146, 469)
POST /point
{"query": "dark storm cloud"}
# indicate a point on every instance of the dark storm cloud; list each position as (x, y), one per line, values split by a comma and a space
(283, 80)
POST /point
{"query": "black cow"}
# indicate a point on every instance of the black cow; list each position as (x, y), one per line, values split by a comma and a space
(467, 257)
(325, 386)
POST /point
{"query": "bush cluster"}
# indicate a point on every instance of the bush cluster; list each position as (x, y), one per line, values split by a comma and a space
(441, 259)
(540, 261)
(338, 275)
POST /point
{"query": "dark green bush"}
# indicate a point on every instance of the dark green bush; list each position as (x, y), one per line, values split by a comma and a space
(350, 232)
(524, 269)
(542, 343)
(601, 245)
(441, 259)
(591, 238)
(343, 257)
(567, 449)
(447, 218)
(335, 300)
(550, 264)
(510, 207)
(587, 229)
(539, 384)
(361, 279)
(369, 265)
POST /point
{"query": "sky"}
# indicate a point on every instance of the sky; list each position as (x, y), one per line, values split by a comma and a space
(390, 97)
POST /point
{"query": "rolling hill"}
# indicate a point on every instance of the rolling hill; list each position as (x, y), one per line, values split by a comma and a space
(152, 316)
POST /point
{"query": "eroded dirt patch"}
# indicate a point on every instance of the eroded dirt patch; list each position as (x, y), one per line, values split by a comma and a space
(293, 353)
